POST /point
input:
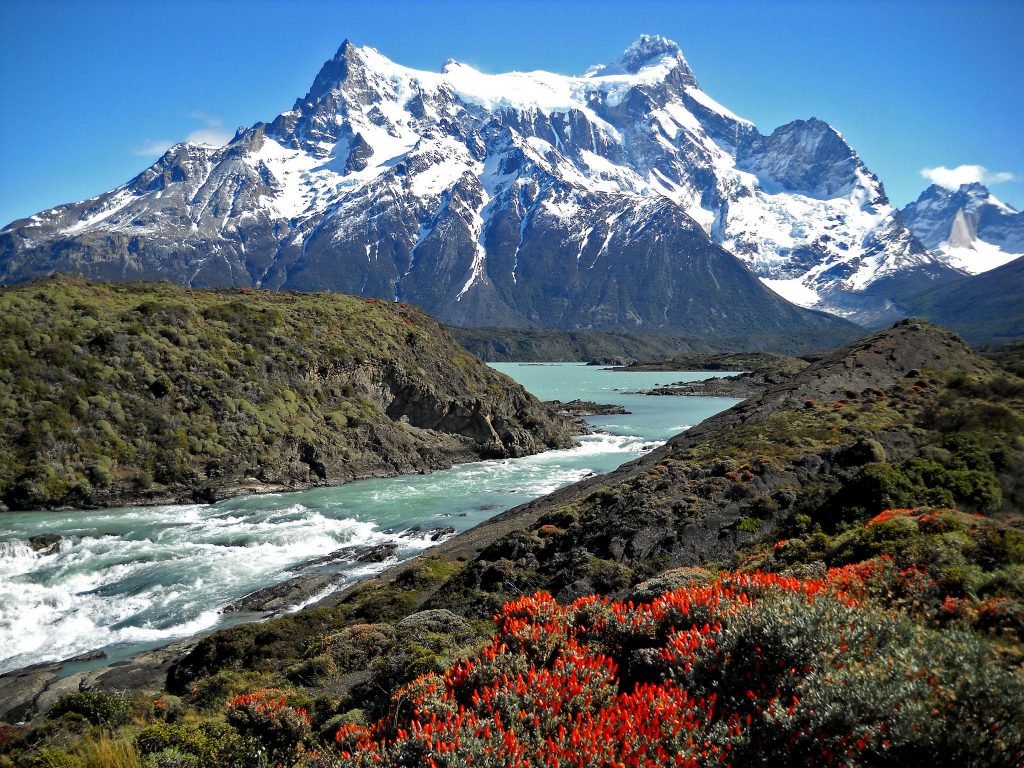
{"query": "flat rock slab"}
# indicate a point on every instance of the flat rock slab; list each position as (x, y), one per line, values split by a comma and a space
(285, 595)
(27, 694)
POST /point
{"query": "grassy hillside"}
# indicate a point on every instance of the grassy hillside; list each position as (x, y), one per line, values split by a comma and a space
(536, 344)
(831, 573)
(124, 393)
(984, 309)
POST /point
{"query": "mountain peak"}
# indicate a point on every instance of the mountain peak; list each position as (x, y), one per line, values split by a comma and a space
(966, 226)
(812, 157)
(336, 70)
(405, 184)
(648, 47)
(645, 52)
(346, 49)
(974, 187)
(973, 192)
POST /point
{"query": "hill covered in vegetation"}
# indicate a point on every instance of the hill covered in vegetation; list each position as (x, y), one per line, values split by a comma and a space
(830, 573)
(546, 345)
(984, 309)
(113, 394)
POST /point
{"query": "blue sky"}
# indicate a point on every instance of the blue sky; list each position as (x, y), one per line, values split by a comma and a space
(93, 91)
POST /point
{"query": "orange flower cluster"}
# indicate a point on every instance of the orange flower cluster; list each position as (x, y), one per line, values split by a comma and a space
(562, 686)
(266, 702)
(889, 514)
(266, 717)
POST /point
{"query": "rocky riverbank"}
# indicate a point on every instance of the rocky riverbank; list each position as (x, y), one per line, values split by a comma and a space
(764, 371)
(726, 361)
(578, 410)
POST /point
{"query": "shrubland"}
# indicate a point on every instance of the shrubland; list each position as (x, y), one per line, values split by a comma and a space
(832, 574)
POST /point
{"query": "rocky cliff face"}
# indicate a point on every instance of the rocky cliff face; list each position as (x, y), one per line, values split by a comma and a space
(520, 199)
(124, 394)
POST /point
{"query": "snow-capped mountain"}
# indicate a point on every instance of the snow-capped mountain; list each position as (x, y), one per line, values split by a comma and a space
(967, 228)
(603, 200)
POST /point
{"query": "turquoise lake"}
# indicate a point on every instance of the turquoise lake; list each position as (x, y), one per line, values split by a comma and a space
(123, 580)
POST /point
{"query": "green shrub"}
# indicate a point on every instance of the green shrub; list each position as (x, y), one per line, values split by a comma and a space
(97, 707)
(210, 692)
(209, 743)
(749, 525)
(49, 757)
(173, 758)
(355, 646)
(876, 487)
(316, 670)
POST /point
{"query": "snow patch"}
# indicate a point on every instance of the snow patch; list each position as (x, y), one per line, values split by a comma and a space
(706, 101)
(448, 161)
(116, 202)
(793, 290)
(977, 258)
(476, 269)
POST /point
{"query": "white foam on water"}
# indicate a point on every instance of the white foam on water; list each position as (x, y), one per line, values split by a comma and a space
(164, 579)
(145, 575)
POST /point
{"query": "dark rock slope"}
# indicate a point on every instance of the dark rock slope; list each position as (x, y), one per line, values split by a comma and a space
(986, 308)
(734, 479)
(114, 394)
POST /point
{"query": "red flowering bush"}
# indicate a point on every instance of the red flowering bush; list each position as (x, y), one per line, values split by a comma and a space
(754, 669)
(945, 567)
(276, 726)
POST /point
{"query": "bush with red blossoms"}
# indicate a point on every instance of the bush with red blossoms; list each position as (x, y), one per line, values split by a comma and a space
(752, 669)
(277, 727)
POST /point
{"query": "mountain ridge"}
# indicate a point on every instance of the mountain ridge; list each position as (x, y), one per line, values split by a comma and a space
(446, 189)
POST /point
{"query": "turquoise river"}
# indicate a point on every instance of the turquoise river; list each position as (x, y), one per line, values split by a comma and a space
(123, 580)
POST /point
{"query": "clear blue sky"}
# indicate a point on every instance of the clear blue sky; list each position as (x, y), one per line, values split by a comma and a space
(92, 91)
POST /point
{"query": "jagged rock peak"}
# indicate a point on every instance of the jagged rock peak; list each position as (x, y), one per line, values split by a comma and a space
(967, 227)
(648, 47)
(971, 195)
(333, 72)
(809, 156)
(813, 133)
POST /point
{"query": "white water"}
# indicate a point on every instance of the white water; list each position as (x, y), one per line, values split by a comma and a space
(123, 580)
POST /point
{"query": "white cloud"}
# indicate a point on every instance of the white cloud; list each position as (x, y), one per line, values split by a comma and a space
(151, 147)
(952, 178)
(212, 132)
(218, 137)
